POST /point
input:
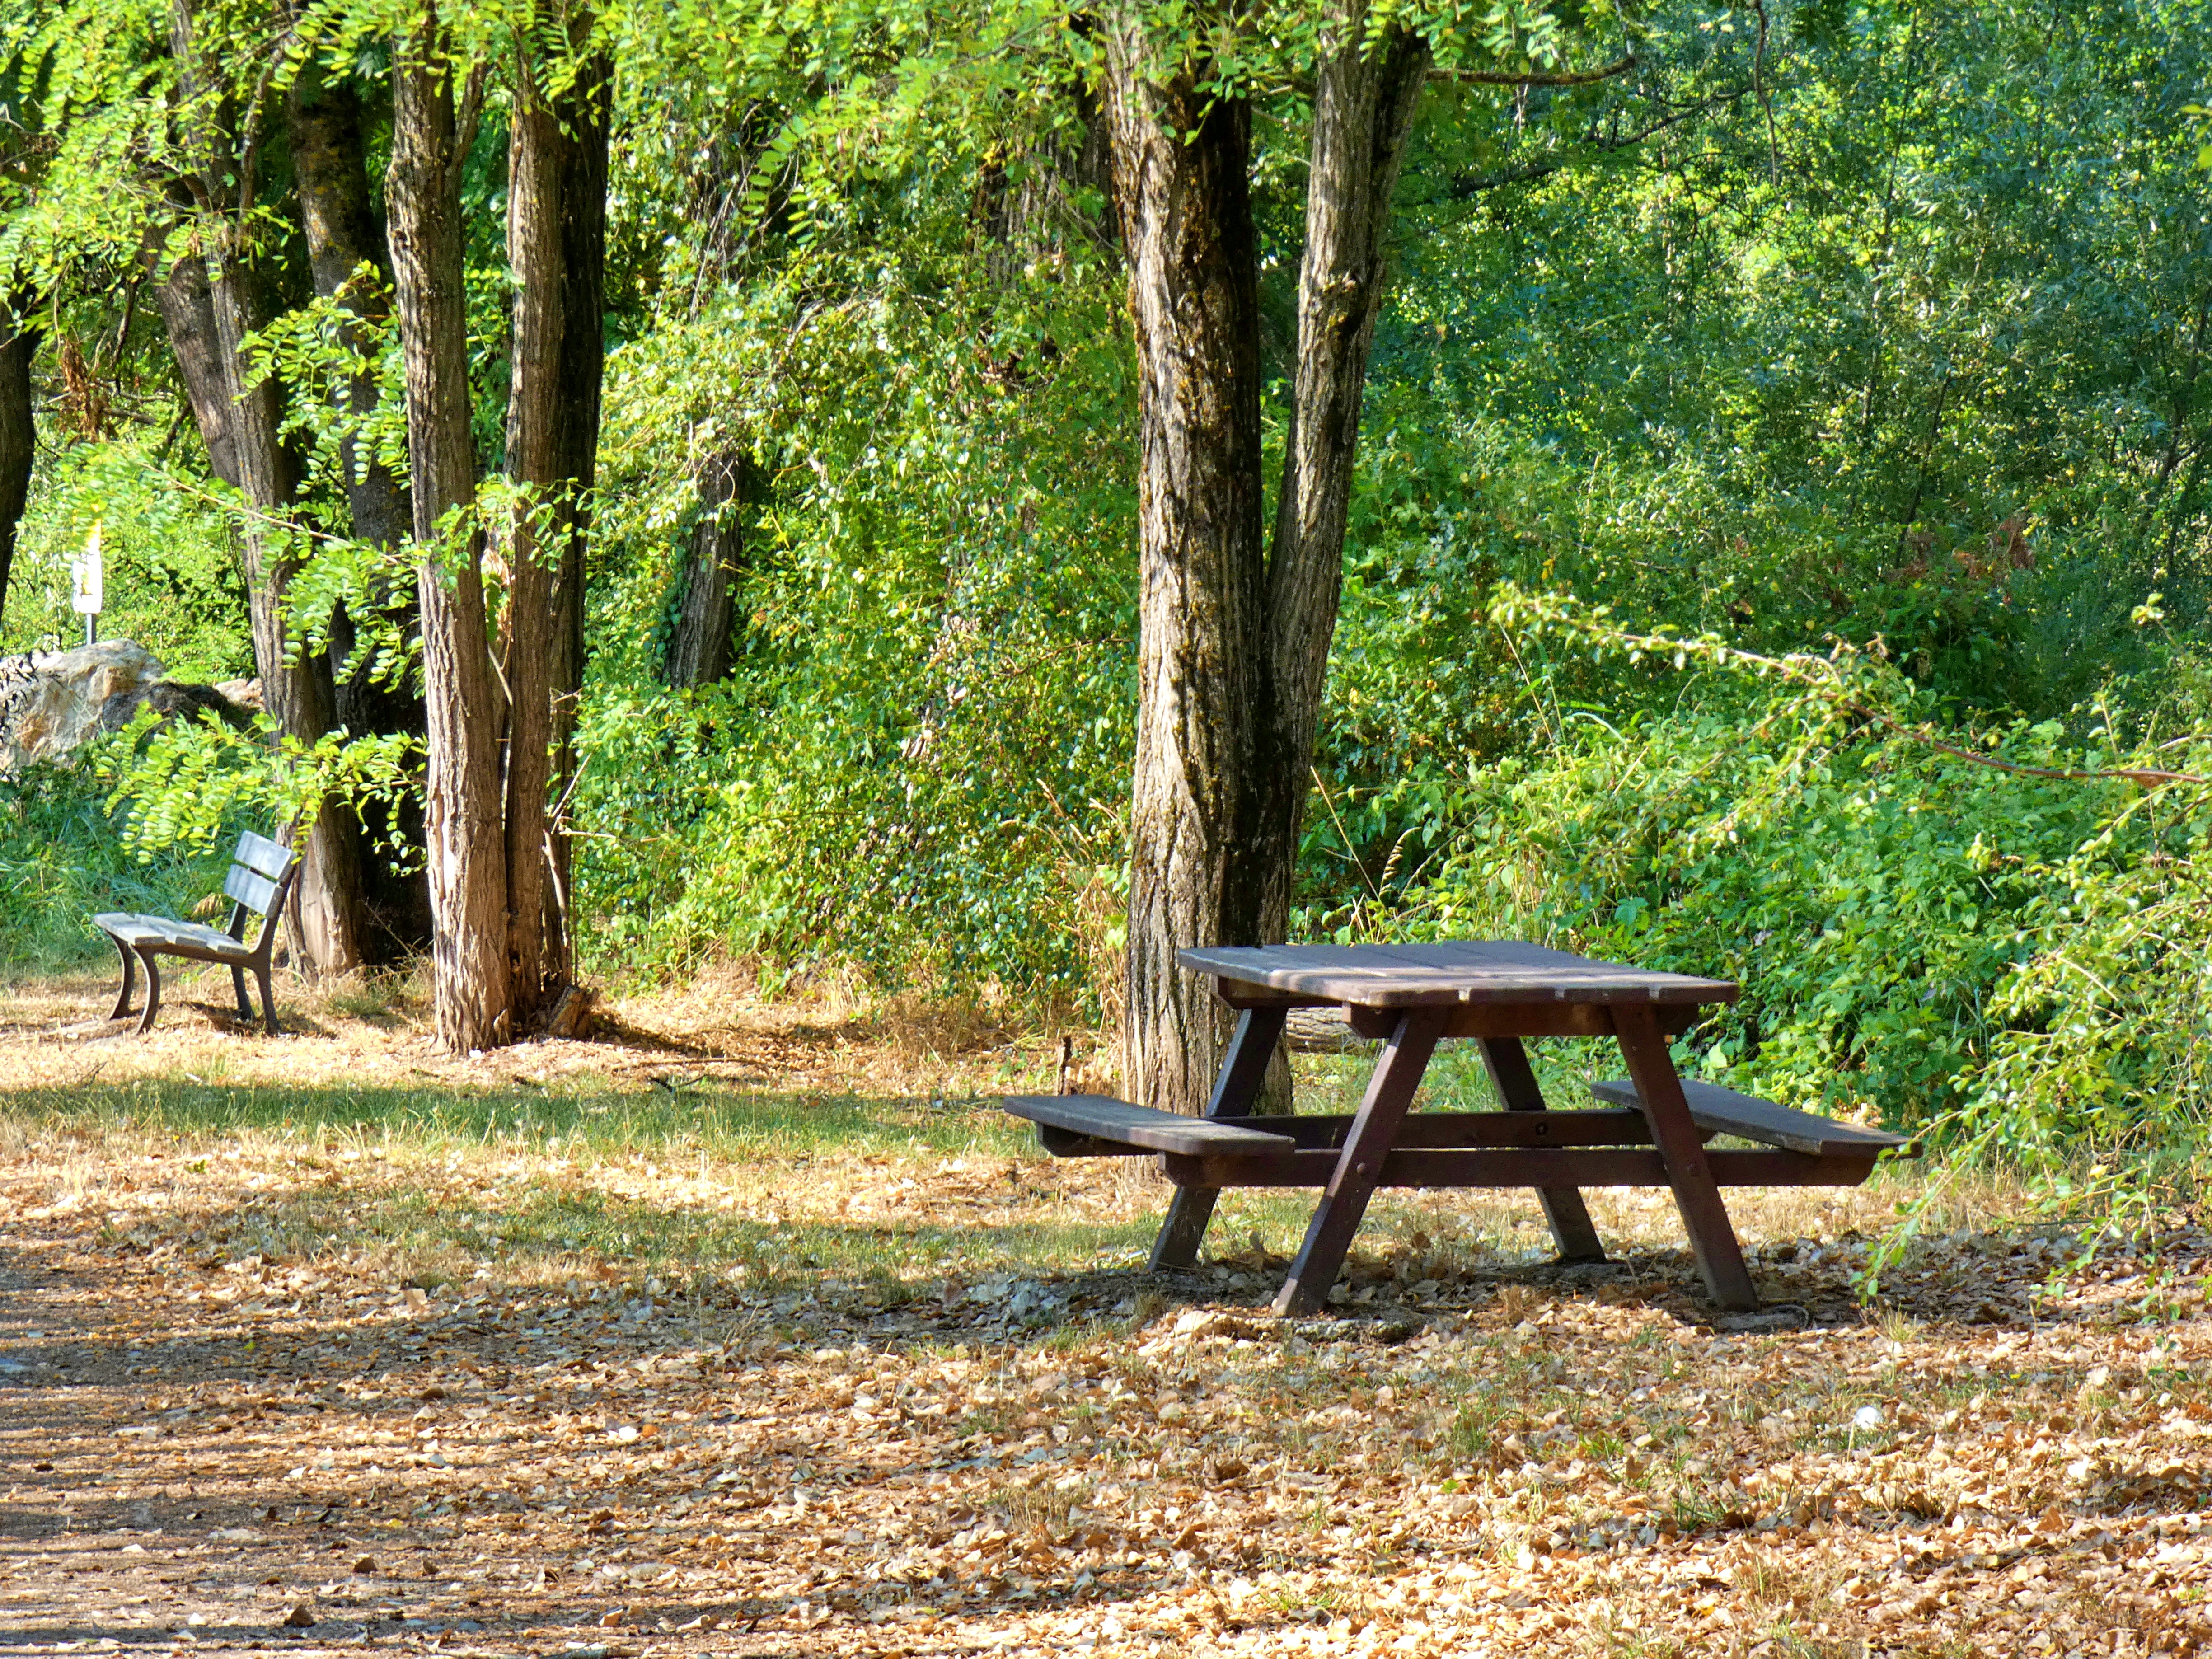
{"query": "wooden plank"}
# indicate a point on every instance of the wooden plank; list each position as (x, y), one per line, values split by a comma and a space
(173, 936)
(1367, 1145)
(1066, 1143)
(1689, 1170)
(1564, 1213)
(251, 888)
(1446, 973)
(1243, 1069)
(263, 856)
(1104, 1118)
(1422, 1130)
(1625, 1166)
(1726, 1112)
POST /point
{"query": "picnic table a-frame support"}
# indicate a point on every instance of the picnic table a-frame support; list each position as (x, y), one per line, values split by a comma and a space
(1650, 1132)
(1375, 1128)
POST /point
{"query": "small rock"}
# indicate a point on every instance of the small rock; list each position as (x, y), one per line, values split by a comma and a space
(366, 1564)
(299, 1618)
(1789, 1318)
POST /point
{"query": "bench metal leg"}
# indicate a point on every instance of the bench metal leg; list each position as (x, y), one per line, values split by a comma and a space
(238, 986)
(1244, 1070)
(1704, 1216)
(268, 1001)
(130, 978)
(1514, 1081)
(153, 992)
(1366, 1144)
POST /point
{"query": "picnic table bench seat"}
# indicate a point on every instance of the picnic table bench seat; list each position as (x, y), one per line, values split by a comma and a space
(1096, 1125)
(261, 876)
(1719, 1111)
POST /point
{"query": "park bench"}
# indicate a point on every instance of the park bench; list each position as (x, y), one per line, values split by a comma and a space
(260, 878)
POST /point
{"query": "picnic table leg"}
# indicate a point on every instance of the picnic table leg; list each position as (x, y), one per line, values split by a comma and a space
(130, 977)
(1258, 1029)
(1374, 1131)
(1704, 1216)
(1514, 1081)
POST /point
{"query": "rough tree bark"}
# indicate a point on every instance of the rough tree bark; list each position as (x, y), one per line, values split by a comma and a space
(1234, 640)
(18, 437)
(699, 645)
(295, 685)
(188, 310)
(556, 245)
(329, 149)
(1182, 177)
(464, 834)
(1363, 102)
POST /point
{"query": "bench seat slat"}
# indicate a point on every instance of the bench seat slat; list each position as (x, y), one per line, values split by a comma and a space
(159, 930)
(1097, 1117)
(1725, 1112)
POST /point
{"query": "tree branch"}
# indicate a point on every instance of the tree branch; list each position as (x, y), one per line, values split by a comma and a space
(1534, 78)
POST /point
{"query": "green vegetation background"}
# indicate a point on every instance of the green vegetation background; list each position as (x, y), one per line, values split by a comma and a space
(1886, 351)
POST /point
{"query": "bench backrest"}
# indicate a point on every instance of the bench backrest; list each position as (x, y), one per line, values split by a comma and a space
(260, 875)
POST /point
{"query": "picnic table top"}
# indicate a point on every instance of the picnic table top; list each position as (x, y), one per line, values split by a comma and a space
(1497, 971)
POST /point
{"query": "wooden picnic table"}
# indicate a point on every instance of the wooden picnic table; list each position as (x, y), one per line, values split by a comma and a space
(1498, 994)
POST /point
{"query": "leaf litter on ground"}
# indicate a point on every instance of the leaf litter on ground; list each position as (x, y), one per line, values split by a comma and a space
(242, 1413)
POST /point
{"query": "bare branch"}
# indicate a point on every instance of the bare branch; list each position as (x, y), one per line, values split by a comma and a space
(1534, 78)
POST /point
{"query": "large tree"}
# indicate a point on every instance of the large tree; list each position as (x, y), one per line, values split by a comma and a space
(219, 137)
(501, 687)
(1237, 622)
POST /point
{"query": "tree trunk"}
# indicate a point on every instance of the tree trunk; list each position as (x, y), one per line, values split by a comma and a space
(465, 841)
(330, 181)
(18, 439)
(188, 309)
(1234, 646)
(557, 246)
(330, 152)
(1182, 172)
(295, 686)
(1363, 102)
(699, 645)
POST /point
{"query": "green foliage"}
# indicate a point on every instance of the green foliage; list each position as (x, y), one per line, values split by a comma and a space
(1965, 934)
(1858, 343)
(914, 766)
(63, 860)
(187, 783)
(173, 583)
